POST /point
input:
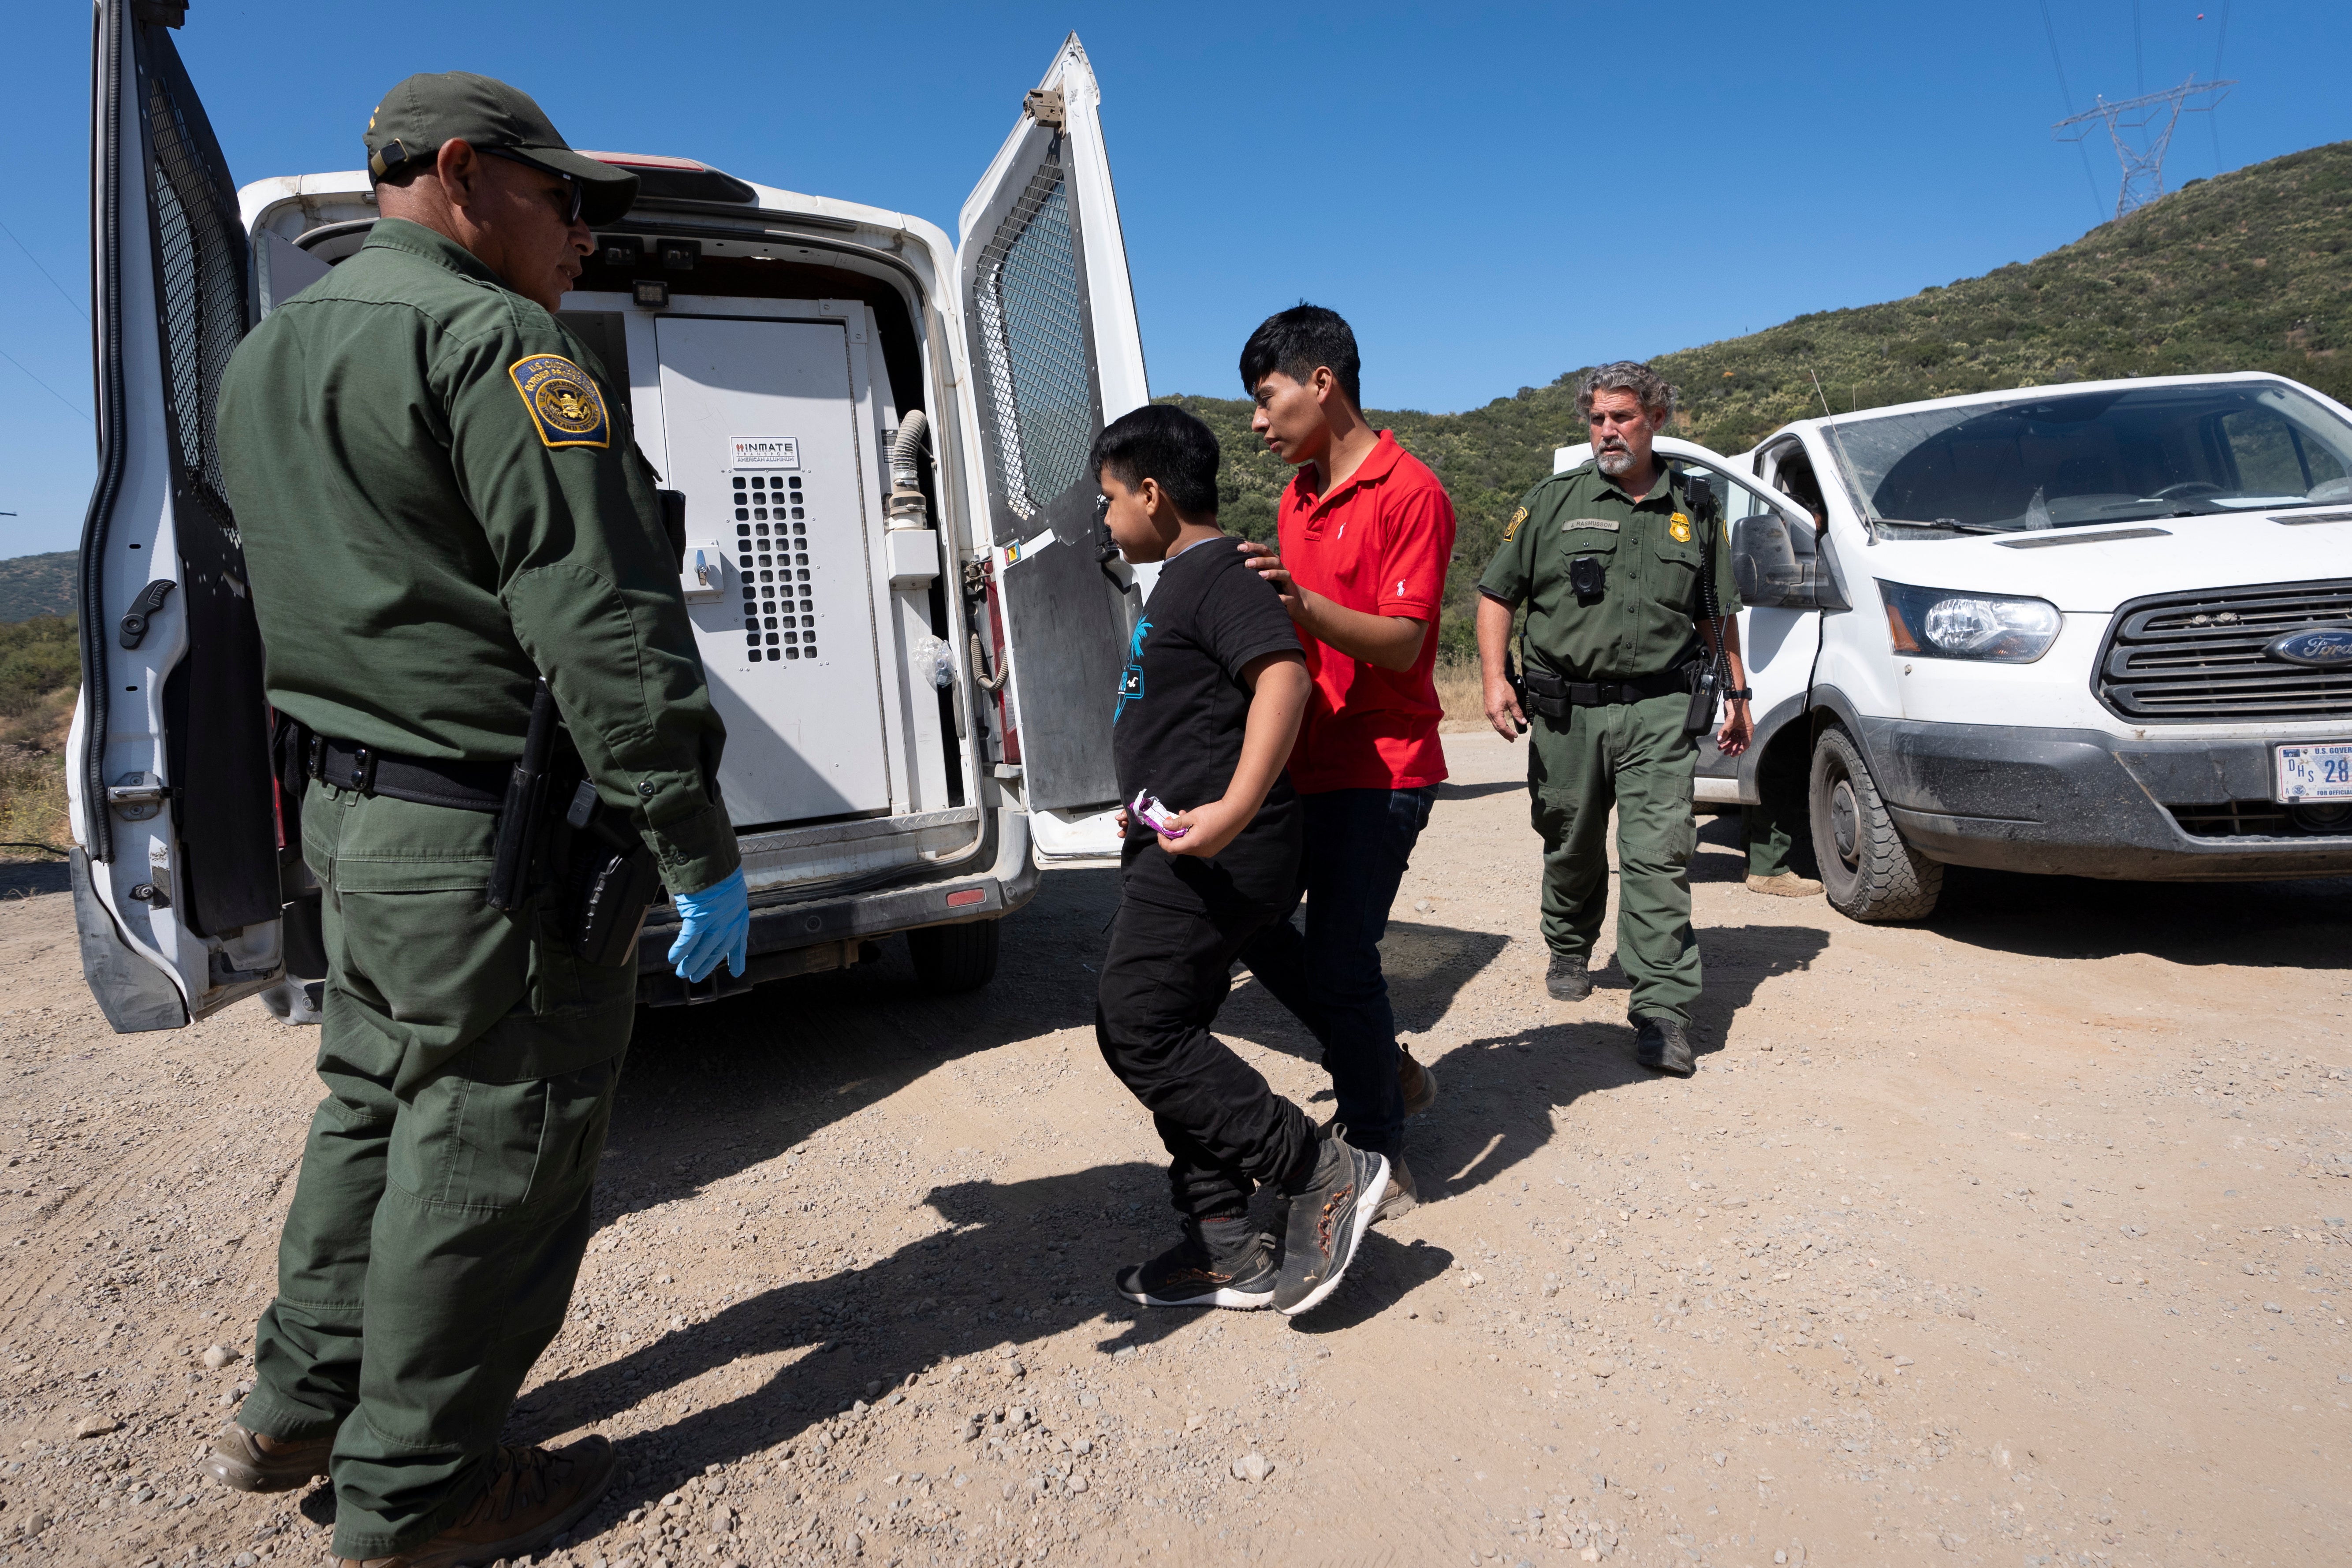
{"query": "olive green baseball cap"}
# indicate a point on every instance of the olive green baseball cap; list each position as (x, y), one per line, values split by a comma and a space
(433, 106)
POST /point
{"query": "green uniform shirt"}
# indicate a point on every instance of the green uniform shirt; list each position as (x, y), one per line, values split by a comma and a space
(1650, 605)
(440, 501)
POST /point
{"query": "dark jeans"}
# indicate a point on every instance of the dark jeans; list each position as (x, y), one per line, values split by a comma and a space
(1164, 976)
(1357, 843)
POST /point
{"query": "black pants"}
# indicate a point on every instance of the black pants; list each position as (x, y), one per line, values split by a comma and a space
(1165, 975)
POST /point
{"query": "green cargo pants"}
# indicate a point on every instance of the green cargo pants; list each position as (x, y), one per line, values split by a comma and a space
(445, 1196)
(1636, 757)
(1771, 829)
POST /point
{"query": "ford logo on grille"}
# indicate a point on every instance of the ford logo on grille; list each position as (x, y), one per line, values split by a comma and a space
(2321, 647)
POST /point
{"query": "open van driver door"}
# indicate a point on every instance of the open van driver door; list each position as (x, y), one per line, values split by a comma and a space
(1056, 353)
(181, 889)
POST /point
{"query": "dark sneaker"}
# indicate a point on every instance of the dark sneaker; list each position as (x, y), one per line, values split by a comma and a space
(239, 1462)
(533, 1497)
(1663, 1046)
(1566, 979)
(1417, 1083)
(1402, 1196)
(1220, 1263)
(1327, 1221)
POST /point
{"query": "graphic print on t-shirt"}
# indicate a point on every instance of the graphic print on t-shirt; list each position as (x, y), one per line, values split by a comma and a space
(1131, 679)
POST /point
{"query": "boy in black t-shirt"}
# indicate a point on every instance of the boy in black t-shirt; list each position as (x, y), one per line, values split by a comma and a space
(1206, 709)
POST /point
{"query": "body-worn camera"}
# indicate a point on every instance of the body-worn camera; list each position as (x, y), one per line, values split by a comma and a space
(1588, 575)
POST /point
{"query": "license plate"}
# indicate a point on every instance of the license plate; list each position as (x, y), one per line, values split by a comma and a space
(2321, 771)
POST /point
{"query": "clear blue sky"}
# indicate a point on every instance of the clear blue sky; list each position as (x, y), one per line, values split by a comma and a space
(1492, 194)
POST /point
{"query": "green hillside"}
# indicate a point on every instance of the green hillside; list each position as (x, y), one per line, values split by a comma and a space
(2244, 271)
(37, 586)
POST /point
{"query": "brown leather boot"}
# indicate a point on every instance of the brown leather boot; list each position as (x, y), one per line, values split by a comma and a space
(239, 1460)
(1419, 1084)
(1786, 884)
(533, 1497)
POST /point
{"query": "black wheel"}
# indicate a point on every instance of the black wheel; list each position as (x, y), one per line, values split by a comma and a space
(954, 958)
(1867, 870)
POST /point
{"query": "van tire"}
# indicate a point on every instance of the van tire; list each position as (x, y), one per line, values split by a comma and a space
(1868, 872)
(948, 959)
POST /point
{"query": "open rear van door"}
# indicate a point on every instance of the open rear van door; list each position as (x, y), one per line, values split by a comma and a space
(175, 876)
(1056, 353)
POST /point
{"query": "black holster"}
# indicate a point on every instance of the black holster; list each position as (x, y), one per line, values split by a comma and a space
(611, 881)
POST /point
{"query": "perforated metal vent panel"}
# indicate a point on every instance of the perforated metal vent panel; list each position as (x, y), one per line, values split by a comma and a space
(202, 257)
(771, 563)
(1039, 398)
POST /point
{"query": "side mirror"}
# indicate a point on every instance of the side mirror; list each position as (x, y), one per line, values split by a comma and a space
(1778, 566)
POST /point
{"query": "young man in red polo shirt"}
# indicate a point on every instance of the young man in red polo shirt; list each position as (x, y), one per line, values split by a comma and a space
(1365, 532)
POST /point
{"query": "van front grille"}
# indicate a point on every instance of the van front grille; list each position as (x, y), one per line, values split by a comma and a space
(2197, 658)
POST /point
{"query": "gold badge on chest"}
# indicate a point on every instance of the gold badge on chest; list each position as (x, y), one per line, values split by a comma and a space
(1680, 528)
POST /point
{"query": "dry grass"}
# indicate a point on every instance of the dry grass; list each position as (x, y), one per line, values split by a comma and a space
(33, 776)
(1459, 690)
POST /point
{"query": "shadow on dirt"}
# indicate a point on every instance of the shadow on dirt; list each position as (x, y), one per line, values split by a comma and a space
(1025, 1261)
(2258, 925)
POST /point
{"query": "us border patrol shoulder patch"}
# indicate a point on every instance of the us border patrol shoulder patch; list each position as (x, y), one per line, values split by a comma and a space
(564, 404)
(1512, 527)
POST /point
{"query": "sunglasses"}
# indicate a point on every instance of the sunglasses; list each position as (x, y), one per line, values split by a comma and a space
(577, 192)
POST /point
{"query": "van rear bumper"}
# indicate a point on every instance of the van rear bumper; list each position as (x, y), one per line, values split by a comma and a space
(2079, 803)
(800, 935)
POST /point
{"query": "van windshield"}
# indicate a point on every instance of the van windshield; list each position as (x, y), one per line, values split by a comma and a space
(2062, 461)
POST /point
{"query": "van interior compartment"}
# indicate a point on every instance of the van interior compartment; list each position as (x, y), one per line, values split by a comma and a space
(771, 415)
(761, 421)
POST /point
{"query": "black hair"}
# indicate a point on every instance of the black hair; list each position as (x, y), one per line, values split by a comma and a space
(1166, 444)
(1294, 341)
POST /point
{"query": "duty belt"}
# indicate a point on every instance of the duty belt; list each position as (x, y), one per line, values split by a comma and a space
(467, 787)
(1552, 695)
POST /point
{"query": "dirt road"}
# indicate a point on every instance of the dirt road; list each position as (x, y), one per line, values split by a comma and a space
(2015, 1238)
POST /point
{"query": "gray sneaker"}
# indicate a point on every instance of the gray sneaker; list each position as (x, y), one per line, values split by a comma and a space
(1566, 979)
(1328, 1221)
(1219, 1263)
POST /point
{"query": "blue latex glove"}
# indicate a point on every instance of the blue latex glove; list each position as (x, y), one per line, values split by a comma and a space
(712, 924)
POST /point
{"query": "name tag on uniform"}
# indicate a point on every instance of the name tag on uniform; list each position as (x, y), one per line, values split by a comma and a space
(565, 407)
(1606, 524)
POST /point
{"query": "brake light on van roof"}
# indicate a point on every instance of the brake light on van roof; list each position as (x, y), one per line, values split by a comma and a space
(661, 179)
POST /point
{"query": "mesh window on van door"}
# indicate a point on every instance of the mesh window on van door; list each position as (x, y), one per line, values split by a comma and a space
(1039, 397)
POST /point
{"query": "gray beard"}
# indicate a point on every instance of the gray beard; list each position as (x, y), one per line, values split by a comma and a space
(1614, 462)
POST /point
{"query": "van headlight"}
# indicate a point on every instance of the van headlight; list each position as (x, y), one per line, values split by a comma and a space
(1947, 623)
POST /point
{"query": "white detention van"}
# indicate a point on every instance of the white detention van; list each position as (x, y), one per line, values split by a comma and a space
(891, 557)
(2102, 629)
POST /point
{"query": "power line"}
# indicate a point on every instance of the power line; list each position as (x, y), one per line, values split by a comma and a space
(2066, 97)
(43, 385)
(2212, 122)
(45, 272)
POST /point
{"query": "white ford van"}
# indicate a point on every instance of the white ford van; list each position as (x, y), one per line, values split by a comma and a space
(2102, 629)
(913, 682)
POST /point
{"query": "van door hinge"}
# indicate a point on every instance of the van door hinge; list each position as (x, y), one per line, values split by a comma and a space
(1046, 106)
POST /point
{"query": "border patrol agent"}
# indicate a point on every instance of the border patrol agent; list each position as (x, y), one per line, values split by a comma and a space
(441, 504)
(1608, 559)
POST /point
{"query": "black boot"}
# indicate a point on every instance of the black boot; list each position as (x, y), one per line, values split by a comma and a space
(1663, 1046)
(1566, 979)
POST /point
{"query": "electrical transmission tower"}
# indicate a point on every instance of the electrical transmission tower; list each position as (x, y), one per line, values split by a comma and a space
(2142, 128)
